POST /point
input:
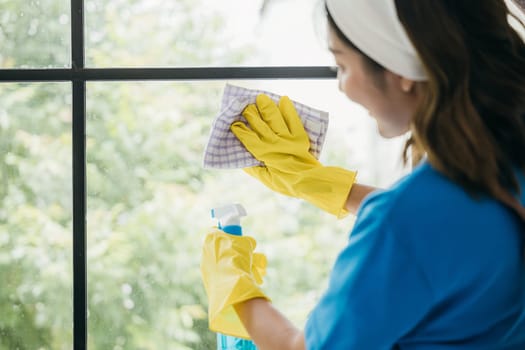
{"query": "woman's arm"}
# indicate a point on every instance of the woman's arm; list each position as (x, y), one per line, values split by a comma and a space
(356, 196)
(269, 329)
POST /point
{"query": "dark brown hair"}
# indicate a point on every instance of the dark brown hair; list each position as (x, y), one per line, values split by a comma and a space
(471, 122)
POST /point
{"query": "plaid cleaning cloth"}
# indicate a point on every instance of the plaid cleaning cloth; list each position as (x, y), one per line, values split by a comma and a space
(225, 151)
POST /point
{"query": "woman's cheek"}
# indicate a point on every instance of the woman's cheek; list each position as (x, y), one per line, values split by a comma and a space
(340, 81)
(343, 83)
(346, 86)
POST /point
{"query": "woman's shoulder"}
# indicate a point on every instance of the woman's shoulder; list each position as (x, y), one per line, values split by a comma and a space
(421, 185)
(431, 216)
(428, 197)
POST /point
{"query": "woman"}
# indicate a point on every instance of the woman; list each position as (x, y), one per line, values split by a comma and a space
(437, 260)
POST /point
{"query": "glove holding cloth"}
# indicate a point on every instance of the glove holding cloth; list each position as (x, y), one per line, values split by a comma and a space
(231, 273)
(277, 138)
(224, 151)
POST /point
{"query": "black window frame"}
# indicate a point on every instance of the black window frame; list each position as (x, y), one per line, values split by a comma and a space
(78, 75)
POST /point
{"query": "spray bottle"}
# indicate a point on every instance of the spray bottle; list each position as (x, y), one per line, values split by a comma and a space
(229, 217)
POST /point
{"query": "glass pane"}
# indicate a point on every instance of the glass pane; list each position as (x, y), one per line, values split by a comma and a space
(35, 34)
(204, 33)
(149, 204)
(35, 217)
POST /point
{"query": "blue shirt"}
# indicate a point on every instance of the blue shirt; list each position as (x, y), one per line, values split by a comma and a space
(426, 267)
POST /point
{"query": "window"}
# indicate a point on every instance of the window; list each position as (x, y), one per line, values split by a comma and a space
(187, 33)
(124, 135)
(35, 215)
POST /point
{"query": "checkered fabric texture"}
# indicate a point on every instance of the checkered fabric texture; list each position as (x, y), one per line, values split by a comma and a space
(225, 151)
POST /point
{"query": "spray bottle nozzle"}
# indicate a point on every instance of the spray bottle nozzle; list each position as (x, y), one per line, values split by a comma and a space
(228, 215)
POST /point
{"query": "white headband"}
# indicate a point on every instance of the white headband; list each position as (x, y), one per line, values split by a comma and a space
(374, 28)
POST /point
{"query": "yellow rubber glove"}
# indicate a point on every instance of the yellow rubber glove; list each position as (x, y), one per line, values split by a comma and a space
(231, 273)
(277, 138)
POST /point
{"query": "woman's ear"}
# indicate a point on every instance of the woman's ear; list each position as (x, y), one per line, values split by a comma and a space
(398, 82)
(406, 84)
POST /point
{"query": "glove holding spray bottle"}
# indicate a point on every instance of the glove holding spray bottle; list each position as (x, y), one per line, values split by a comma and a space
(231, 272)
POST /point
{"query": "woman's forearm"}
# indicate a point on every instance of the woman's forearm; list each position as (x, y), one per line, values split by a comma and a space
(269, 329)
(356, 196)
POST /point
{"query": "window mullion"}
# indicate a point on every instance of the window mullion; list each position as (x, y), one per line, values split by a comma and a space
(79, 177)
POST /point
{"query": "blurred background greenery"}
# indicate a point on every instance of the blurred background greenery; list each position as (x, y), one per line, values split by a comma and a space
(149, 199)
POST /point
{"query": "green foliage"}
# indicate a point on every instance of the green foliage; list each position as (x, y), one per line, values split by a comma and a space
(34, 34)
(157, 33)
(35, 217)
